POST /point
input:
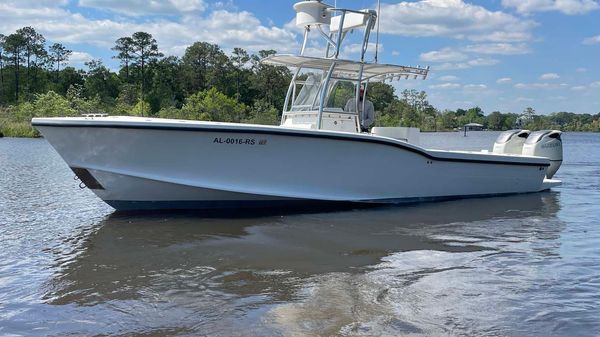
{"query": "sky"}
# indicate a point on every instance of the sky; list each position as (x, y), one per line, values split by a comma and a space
(500, 55)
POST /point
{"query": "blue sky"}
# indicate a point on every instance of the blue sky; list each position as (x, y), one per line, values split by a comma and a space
(501, 55)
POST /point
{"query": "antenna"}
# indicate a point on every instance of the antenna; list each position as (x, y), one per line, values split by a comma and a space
(378, 19)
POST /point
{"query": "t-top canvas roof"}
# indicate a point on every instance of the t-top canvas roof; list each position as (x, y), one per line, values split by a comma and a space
(371, 71)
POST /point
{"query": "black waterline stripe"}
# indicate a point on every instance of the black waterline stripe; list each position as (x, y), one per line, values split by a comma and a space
(284, 133)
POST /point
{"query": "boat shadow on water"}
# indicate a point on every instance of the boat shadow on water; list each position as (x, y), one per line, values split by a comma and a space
(127, 255)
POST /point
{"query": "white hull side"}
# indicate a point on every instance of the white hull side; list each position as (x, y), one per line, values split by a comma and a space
(129, 193)
(223, 162)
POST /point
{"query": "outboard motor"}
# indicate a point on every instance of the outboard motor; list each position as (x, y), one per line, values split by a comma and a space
(545, 143)
(511, 141)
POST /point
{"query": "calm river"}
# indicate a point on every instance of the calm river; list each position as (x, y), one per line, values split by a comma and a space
(526, 265)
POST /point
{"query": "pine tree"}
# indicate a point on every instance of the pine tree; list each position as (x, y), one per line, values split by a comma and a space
(59, 54)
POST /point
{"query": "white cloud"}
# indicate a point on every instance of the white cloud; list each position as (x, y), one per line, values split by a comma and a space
(356, 48)
(591, 40)
(451, 56)
(450, 66)
(37, 3)
(520, 86)
(595, 84)
(504, 80)
(78, 59)
(143, 7)
(581, 70)
(443, 55)
(445, 86)
(549, 76)
(524, 99)
(455, 19)
(225, 28)
(453, 59)
(478, 62)
(570, 7)
(482, 62)
(448, 78)
(475, 87)
(503, 37)
(542, 85)
(578, 88)
(395, 53)
(498, 48)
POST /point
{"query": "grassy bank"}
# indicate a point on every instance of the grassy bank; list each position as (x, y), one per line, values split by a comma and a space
(18, 129)
(13, 125)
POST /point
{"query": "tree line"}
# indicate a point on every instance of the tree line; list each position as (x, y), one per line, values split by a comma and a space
(205, 83)
(413, 109)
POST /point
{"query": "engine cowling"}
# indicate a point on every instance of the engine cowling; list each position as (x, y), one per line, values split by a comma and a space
(511, 141)
(545, 143)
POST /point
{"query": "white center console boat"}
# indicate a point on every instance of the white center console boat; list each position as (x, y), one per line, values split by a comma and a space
(317, 154)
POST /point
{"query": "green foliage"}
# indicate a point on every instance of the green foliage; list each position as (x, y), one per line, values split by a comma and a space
(125, 48)
(59, 54)
(81, 104)
(15, 121)
(142, 108)
(212, 105)
(412, 109)
(448, 120)
(269, 82)
(127, 99)
(262, 112)
(141, 49)
(49, 104)
(101, 82)
(392, 114)
(166, 87)
(381, 94)
(66, 78)
(341, 93)
(11, 127)
(495, 120)
(14, 45)
(241, 75)
(205, 66)
(171, 112)
(18, 129)
(472, 115)
(128, 95)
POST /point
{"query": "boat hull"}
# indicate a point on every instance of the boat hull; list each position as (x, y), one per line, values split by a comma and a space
(160, 164)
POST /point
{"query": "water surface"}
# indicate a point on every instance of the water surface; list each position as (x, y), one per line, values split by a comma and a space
(525, 265)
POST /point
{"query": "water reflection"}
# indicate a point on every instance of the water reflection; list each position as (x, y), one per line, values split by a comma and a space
(353, 272)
